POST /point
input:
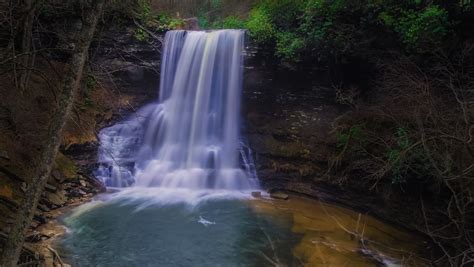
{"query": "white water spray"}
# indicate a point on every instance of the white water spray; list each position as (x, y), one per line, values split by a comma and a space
(190, 137)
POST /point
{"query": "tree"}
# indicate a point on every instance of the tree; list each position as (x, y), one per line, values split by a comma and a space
(71, 80)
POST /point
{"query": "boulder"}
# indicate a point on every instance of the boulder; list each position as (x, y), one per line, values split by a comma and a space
(57, 198)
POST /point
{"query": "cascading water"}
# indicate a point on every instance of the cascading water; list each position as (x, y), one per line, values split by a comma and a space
(190, 137)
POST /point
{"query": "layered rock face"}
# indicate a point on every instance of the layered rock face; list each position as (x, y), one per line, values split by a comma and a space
(287, 118)
(132, 66)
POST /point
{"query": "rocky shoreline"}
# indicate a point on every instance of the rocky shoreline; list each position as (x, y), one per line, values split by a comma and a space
(64, 195)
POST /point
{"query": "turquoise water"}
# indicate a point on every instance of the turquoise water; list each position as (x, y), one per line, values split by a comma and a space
(150, 232)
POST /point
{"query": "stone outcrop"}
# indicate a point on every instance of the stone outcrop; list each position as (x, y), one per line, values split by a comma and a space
(288, 118)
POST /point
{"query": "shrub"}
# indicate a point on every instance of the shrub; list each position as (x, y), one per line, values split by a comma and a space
(338, 29)
(424, 29)
(289, 46)
(260, 25)
(231, 22)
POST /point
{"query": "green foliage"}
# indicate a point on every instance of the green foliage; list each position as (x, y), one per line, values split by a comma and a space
(420, 30)
(354, 133)
(231, 22)
(143, 11)
(215, 4)
(203, 19)
(465, 4)
(289, 46)
(396, 156)
(332, 30)
(166, 22)
(140, 35)
(406, 159)
(260, 25)
(175, 23)
(284, 14)
(147, 18)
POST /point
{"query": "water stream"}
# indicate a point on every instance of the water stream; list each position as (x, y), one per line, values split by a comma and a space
(183, 177)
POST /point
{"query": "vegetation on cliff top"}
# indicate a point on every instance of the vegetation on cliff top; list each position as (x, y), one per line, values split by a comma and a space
(305, 30)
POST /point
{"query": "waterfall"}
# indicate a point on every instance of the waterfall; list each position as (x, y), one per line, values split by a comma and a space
(190, 137)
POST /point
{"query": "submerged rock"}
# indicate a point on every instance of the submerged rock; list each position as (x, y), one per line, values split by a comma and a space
(257, 194)
(279, 195)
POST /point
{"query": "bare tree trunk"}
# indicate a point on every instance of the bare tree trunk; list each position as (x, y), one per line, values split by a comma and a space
(27, 60)
(14, 242)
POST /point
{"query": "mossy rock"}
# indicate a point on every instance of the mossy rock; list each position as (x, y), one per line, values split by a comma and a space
(65, 166)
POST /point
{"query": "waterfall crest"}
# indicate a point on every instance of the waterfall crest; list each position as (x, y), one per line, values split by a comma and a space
(190, 137)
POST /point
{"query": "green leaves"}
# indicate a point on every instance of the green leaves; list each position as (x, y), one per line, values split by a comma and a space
(332, 30)
(143, 11)
(428, 27)
(289, 46)
(354, 133)
(420, 30)
(260, 25)
(140, 35)
(231, 22)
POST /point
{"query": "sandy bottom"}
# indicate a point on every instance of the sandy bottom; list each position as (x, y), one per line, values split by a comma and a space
(336, 236)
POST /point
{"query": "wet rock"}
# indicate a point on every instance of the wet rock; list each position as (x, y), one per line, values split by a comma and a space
(56, 174)
(39, 218)
(257, 194)
(34, 224)
(34, 237)
(112, 190)
(4, 155)
(58, 198)
(43, 207)
(37, 236)
(75, 192)
(50, 188)
(97, 186)
(279, 195)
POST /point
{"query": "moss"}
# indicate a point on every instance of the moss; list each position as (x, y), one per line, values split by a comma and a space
(65, 166)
